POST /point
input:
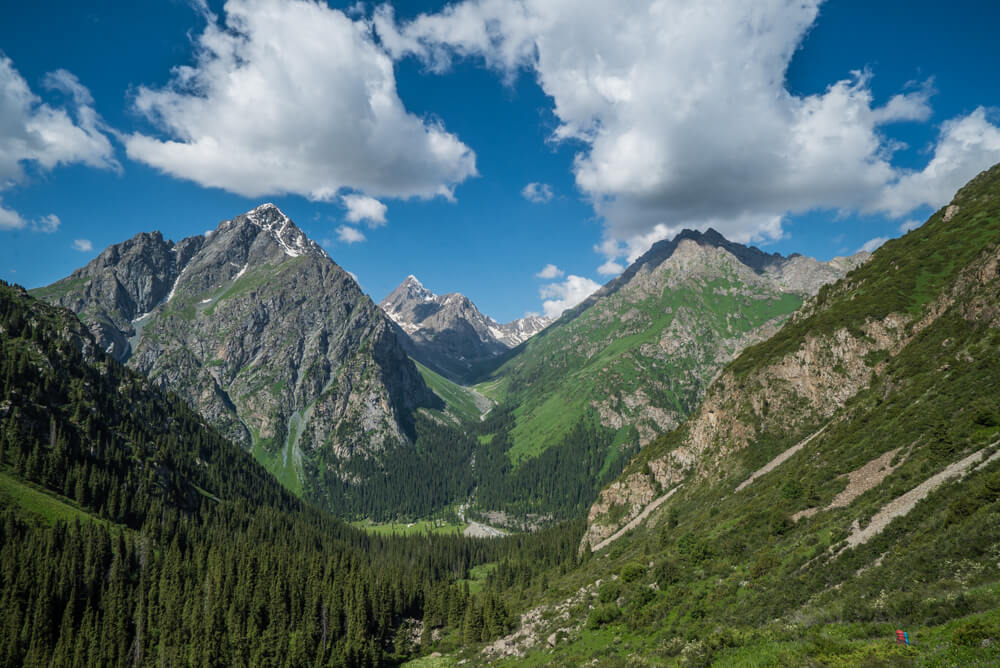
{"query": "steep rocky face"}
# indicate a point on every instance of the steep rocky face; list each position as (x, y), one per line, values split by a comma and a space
(263, 334)
(800, 385)
(448, 333)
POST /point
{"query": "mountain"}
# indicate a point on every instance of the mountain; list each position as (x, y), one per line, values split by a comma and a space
(265, 336)
(633, 360)
(119, 505)
(838, 481)
(837, 487)
(449, 334)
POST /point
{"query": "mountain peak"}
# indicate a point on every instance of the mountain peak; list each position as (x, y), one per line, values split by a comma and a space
(292, 240)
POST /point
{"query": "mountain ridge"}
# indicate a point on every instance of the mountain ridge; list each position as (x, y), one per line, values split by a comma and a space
(264, 334)
(448, 333)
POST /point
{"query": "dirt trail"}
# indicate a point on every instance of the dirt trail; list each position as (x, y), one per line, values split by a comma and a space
(779, 460)
(904, 503)
(656, 503)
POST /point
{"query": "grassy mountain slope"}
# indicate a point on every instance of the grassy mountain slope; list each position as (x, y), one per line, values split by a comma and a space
(839, 481)
(631, 362)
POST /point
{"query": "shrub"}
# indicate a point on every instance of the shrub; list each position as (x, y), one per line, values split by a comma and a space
(632, 572)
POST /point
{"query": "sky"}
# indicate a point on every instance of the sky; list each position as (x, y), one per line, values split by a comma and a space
(521, 152)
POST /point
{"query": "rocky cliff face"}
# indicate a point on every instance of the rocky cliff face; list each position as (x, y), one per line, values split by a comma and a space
(835, 348)
(448, 333)
(262, 333)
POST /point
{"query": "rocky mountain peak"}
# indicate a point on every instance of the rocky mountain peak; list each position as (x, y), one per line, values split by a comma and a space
(448, 332)
(269, 218)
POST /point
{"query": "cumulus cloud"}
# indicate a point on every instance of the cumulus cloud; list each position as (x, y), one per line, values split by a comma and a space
(364, 208)
(965, 146)
(610, 268)
(538, 193)
(872, 244)
(10, 219)
(349, 235)
(557, 297)
(291, 96)
(83, 245)
(549, 271)
(908, 225)
(684, 117)
(34, 133)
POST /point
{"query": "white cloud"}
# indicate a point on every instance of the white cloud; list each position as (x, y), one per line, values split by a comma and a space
(560, 296)
(47, 224)
(538, 193)
(291, 96)
(908, 225)
(364, 208)
(10, 219)
(965, 146)
(683, 113)
(610, 268)
(550, 271)
(45, 137)
(349, 235)
(872, 244)
(83, 245)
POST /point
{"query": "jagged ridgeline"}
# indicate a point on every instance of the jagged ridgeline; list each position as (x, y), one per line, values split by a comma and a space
(277, 346)
(629, 363)
(839, 481)
(133, 533)
(449, 334)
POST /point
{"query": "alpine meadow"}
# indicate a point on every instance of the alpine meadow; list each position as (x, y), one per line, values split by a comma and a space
(528, 333)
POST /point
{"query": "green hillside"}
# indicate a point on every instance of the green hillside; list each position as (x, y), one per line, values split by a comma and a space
(624, 368)
(768, 547)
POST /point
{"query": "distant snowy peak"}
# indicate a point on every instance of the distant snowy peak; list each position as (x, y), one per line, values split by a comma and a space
(518, 331)
(448, 333)
(413, 307)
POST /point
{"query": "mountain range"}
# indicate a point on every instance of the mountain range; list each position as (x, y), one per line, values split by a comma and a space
(761, 460)
(449, 334)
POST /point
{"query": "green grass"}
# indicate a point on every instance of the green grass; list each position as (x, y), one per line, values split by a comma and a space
(278, 465)
(458, 399)
(58, 289)
(417, 528)
(36, 502)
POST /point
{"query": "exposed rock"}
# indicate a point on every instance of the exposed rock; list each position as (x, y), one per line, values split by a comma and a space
(448, 333)
(260, 331)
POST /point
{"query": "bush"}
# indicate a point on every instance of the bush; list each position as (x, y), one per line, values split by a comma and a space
(632, 572)
(603, 614)
(972, 634)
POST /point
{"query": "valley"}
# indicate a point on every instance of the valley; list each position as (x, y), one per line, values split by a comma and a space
(553, 333)
(807, 469)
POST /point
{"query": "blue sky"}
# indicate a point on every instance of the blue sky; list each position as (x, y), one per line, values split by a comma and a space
(417, 127)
